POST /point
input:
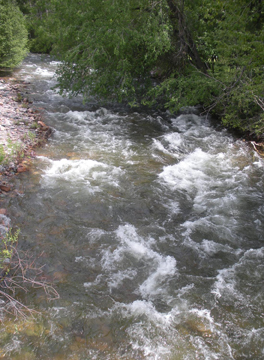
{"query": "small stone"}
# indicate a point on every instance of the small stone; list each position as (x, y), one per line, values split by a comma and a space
(5, 221)
(43, 126)
(6, 261)
(3, 230)
(21, 168)
(5, 188)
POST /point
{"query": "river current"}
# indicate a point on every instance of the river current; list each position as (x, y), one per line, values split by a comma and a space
(151, 227)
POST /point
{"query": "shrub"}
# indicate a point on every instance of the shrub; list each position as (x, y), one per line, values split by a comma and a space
(13, 34)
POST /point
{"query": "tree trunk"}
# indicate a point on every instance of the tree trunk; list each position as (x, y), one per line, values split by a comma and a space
(184, 41)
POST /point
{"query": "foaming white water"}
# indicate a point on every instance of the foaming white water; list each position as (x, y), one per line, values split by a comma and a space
(89, 172)
(131, 250)
(210, 180)
(145, 313)
(80, 117)
(190, 173)
(73, 169)
(146, 309)
(161, 335)
(230, 285)
(209, 248)
(156, 226)
(38, 72)
(153, 284)
(184, 122)
(169, 144)
(44, 72)
(98, 134)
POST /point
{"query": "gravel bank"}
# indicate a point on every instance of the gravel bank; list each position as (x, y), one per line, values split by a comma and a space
(21, 130)
(21, 127)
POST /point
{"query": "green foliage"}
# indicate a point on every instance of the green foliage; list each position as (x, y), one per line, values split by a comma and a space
(2, 154)
(170, 53)
(15, 149)
(110, 50)
(7, 248)
(237, 41)
(30, 136)
(13, 34)
(41, 23)
(34, 125)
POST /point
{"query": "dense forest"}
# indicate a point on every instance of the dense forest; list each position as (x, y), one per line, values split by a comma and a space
(167, 53)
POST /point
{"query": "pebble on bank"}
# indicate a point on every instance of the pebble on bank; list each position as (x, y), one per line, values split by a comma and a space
(21, 130)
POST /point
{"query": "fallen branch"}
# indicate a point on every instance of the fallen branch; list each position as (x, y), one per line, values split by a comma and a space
(255, 145)
(20, 273)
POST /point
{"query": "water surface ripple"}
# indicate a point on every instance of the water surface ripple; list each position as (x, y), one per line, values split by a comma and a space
(152, 230)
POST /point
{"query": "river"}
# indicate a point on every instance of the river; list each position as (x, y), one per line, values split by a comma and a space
(151, 228)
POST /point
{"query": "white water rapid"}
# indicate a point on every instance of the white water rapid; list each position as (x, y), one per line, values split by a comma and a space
(152, 230)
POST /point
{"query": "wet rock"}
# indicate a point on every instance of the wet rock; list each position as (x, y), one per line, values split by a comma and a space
(22, 168)
(5, 187)
(196, 327)
(12, 166)
(48, 132)
(3, 231)
(43, 126)
(5, 221)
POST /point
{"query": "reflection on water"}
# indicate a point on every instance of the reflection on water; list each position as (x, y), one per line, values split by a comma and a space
(151, 230)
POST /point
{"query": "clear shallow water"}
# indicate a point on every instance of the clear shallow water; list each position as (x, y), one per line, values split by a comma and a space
(152, 231)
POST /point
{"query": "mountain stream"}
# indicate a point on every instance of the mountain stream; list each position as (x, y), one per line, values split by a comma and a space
(151, 229)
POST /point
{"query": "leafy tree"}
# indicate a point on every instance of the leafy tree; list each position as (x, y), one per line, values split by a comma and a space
(109, 48)
(40, 23)
(230, 37)
(171, 53)
(13, 34)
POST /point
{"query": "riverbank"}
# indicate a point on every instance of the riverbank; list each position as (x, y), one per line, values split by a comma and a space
(21, 128)
(21, 131)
